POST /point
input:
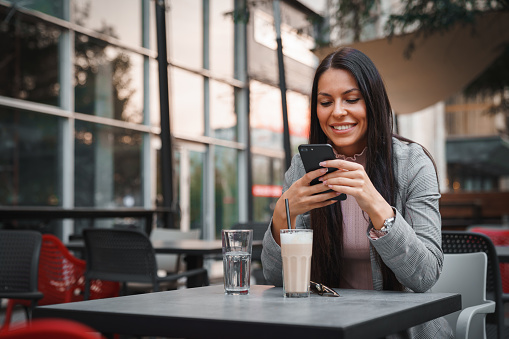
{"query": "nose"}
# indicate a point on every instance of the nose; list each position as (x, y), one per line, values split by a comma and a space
(339, 109)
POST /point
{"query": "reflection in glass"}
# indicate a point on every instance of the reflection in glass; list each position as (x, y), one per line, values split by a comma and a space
(29, 59)
(226, 190)
(51, 7)
(119, 19)
(266, 119)
(197, 160)
(223, 120)
(187, 103)
(265, 116)
(107, 166)
(185, 32)
(298, 118)
(30, 164)
(108, 81)
(191, 211)
(153, 93)
(221, 37)
(266, 171)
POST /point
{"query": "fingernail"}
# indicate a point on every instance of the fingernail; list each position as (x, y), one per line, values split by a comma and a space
(324, 170)
(322, 163)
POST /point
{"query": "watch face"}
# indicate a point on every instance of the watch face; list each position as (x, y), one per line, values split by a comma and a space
(388, 223)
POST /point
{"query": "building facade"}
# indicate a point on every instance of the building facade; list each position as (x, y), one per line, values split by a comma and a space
(80, 110)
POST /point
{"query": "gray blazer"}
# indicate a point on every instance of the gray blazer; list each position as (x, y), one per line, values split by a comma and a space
(412, 248)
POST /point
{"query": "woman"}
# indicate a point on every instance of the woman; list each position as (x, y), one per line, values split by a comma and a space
(386, 235)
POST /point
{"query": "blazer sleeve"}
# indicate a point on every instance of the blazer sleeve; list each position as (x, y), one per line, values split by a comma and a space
(271, 253)
(412, 248)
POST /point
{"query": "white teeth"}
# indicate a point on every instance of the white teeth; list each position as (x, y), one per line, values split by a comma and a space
(343, 127)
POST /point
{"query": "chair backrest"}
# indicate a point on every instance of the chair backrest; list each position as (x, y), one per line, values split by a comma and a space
(61, 275)
(52, 328)
(500, 237)
(465, 274)
(122, 255)
(19, 260)
(170, 262)
(469, 242)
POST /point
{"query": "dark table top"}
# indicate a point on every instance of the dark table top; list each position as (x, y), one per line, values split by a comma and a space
(264, 313)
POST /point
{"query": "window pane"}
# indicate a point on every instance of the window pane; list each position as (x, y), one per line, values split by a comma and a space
(108, 81)
(107, 166)
(266, 171)
(226, 177)
(299, 116)
(29, 59)
(119, 19)
(190, 197)
(50, 7)
(265, 117)
(185, 37)
(153, 93)
(197, 160)
(30, 159)
(221, 37)
(187, 102)
(223, 120)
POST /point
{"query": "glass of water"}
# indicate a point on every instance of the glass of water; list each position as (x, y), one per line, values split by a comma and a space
(237, 248)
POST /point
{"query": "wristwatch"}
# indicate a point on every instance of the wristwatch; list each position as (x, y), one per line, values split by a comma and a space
(388, 223)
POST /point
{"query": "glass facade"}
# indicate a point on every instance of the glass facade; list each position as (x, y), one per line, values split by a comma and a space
(108, 81)
(80, 111)
(30, 158)
(107, 167)
(30, 59)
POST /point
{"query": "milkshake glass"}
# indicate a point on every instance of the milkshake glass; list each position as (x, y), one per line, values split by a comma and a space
(296, 250)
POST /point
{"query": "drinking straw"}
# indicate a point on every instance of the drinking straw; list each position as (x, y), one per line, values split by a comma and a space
(288, 215)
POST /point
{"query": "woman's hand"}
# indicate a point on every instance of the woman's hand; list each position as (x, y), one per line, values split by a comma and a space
(352, 179)
(301, 198)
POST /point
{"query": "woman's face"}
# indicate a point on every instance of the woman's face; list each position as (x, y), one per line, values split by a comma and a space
(341, 111)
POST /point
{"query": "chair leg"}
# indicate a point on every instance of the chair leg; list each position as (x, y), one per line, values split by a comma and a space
(30, 309)
(206, 278)
(8, 315)
(86, 295)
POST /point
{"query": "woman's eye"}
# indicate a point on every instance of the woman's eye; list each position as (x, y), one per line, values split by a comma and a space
(352, 101)
(326, 103)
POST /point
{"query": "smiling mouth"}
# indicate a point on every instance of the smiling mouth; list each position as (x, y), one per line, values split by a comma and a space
(343, 127)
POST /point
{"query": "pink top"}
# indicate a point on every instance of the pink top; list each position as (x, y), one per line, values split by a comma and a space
(356, 257)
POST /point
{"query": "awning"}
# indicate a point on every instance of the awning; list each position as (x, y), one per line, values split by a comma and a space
(441, 65)
(484, 154)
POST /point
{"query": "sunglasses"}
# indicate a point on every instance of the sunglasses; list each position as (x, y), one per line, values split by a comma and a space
(321, 289)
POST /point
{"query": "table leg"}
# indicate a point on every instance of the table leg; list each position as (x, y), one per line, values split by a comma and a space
(192, 262)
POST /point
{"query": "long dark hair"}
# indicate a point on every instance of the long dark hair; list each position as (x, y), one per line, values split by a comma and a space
(327, 222)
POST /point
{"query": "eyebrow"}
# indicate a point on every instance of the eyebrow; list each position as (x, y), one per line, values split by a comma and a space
(345, 92)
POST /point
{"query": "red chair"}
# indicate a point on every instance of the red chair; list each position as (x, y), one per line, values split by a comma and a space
(499, 237)
(52, 329)
(62, 278)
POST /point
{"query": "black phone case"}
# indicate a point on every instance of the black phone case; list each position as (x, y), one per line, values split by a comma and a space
(312, 155)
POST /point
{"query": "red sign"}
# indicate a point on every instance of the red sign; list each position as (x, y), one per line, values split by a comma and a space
(270, 191)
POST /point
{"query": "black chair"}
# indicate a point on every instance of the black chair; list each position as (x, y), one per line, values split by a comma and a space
(126, 255)
(19, 266)
(468, 242)
(259, 229)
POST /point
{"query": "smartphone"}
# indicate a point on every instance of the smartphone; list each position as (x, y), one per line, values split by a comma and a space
(312, 155)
